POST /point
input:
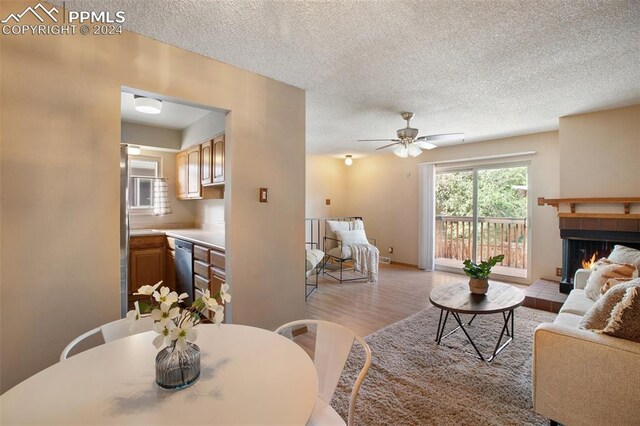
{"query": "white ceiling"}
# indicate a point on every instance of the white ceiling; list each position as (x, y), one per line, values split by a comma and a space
(172, 115)
(486, 68)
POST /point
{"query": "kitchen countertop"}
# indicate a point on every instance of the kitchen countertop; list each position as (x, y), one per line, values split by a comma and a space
(212, 239)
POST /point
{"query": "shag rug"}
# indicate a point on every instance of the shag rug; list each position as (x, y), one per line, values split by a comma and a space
(413, 381)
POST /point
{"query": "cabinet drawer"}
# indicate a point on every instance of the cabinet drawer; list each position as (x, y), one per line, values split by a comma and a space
(201, 268)
(201, 253)
(218, 273)
(200, 283)
(149, 241)
(217, 259)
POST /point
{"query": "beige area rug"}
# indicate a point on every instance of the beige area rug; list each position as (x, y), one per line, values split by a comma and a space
(413, 381)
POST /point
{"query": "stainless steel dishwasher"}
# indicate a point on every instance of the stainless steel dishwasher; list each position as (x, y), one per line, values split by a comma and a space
(184, 269)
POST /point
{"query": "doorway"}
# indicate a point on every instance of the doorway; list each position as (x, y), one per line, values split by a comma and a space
(482, 212)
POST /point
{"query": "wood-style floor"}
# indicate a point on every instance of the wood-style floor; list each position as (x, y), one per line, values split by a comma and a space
(364, 308)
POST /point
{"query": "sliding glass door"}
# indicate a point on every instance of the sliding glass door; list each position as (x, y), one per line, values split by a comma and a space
(482, 212)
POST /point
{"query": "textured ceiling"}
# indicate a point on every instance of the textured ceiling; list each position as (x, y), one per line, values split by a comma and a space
(486, 68)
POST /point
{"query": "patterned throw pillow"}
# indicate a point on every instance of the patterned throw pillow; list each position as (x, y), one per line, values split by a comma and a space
(599, 317)
(625, 317)
(604, 270)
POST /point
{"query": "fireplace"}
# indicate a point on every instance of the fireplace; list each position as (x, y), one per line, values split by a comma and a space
(589, 239)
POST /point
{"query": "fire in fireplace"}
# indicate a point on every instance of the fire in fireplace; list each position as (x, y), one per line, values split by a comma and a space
(583, 245)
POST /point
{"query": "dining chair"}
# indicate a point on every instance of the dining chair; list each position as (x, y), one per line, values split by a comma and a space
(112, 331)
(333, 343)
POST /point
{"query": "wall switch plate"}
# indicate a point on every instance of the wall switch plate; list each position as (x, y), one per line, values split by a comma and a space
(558, 272)
(327, 202)
(390, 249)
(264, 195)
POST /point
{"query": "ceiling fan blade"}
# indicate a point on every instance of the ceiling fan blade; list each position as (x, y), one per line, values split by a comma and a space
(377, 140)
(425, 145)
(387, 146)
(443, 137)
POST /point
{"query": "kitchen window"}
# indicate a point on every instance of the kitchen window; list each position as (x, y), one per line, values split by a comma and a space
(143, 170)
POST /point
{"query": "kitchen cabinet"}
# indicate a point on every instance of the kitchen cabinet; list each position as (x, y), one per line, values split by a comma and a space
(170, 264)
(194, 188)
(218, 160)
(146, 263)
(182, 175)
(201, 166)
(206, 162)
(208, 271)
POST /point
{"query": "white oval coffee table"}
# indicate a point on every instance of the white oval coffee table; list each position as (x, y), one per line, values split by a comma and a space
(248, 376)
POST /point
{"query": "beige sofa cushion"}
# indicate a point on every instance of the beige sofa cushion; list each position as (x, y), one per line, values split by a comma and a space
(568, 320)
(577, 303)
(623, 254)
(604, 270)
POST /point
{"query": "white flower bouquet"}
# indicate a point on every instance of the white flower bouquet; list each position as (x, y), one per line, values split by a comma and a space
(175, 324)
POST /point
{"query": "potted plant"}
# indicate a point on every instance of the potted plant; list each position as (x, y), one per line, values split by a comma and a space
(479, 273)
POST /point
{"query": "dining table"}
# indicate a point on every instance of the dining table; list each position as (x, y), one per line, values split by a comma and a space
(248, 376)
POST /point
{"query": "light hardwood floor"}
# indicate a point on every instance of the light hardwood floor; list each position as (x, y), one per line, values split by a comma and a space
(400, 292)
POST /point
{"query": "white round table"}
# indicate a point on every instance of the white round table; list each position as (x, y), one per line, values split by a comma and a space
(249, 376)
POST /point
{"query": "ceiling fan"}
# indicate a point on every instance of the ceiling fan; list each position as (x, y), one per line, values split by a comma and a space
(409, 144)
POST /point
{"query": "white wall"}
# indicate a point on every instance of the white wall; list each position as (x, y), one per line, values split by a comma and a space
(205, 128)
(60, 184)
(140, 134)
(326, 178)
(384, 190)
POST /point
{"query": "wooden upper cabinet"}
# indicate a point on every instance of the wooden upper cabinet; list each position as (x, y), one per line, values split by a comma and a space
(194, 190)
(218, 159)
(182, 175)
(206, 160)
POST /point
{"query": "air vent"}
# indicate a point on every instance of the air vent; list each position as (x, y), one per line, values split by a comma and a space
(386, 260)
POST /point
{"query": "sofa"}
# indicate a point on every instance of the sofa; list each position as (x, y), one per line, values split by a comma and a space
(581, 377)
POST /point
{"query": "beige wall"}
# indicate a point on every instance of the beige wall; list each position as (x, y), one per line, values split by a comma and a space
(183, 212)
(60, 101)
(326, 178)
(384, 190)
(599, 154)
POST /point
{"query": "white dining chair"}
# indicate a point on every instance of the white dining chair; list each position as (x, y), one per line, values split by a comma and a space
(112, 331)
(333, 344)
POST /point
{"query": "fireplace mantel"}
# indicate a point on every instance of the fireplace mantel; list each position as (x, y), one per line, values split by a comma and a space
(572, 202)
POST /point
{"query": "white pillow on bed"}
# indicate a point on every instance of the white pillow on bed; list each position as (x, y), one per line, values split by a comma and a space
(356, 236)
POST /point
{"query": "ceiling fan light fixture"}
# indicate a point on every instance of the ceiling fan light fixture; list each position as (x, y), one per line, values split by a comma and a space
(401, 151)
(413, 150)
(348, 160)
(147, 105)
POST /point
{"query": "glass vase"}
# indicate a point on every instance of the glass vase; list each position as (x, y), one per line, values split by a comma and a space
(178, 369)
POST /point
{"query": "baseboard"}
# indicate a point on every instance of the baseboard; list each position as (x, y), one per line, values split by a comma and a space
(408, 265)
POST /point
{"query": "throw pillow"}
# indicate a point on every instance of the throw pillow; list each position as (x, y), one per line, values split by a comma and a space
(602, 272)
(357, 224)
(356, 236)
(613, 281)
(598, 316)
(330, 231)
(623, 254)
(625, 317)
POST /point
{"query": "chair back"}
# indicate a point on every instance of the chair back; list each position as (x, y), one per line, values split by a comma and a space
(333, 345)
(111, 331)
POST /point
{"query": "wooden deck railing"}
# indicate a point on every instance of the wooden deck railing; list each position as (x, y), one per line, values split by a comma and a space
(508, 236)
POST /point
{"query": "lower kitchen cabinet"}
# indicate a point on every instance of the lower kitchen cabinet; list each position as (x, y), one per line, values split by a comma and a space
(146, 263)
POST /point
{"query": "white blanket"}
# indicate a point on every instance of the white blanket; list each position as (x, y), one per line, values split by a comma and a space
(365, 260)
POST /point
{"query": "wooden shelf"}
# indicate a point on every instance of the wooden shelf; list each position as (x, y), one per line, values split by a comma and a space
(601, 215)
(624, 201)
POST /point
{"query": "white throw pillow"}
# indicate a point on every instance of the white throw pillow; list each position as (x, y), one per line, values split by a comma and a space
(602, 272)
(356, 236)
(330, 231)
(357, 224)
(622, 254)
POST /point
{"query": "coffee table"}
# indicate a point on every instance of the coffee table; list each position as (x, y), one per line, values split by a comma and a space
(456, 299)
